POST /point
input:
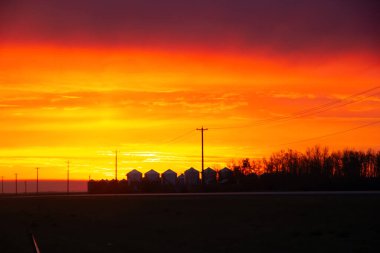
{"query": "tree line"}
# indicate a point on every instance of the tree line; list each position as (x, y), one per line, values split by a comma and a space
(316, 161)
(315, 169)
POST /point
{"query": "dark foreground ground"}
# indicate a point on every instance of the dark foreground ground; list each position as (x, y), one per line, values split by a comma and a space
(264, 223)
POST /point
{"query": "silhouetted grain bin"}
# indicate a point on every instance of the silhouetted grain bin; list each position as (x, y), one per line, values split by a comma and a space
(209, 176)
(169, 177)
(152, 176)
(134, 176)
(225, 175)
(191, 177)
(181, 179)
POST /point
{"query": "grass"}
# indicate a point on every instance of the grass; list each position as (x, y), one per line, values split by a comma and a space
(320, 223)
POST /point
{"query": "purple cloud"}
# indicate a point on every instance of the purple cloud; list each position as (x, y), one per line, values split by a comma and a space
(280, 25)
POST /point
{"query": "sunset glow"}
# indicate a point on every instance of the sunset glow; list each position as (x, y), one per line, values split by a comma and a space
(70, 96)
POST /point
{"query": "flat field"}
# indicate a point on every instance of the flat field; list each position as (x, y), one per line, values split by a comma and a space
(191, 223)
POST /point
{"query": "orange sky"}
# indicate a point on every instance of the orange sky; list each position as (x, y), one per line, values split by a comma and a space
(81, 101)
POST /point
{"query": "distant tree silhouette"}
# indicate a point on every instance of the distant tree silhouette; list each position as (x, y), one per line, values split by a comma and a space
(352, 162)
(377, 165)
(316, 169)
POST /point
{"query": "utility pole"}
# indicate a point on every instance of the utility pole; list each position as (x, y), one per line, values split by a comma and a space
(16, 182)
(2, 184)
(202, 130)
(37, 180)
(116, 165)
(68, 177)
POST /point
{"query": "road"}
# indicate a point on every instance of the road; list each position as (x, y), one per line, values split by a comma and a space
(268, 193)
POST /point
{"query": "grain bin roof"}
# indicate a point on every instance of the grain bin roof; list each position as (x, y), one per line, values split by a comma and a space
(169, 171)
(134, 172)
(191, 170)
(152, 172)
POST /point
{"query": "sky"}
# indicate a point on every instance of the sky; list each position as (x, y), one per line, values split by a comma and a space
(81, 79)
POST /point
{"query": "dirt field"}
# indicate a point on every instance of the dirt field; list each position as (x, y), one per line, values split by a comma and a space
(304, 223)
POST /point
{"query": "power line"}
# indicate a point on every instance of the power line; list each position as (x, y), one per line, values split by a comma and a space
(332, 134)
(337, 102)
(330, 108)
(311, 111)
(175, 139)
(323, 108)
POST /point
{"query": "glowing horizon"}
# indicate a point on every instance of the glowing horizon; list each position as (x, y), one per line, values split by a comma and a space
(78, 90)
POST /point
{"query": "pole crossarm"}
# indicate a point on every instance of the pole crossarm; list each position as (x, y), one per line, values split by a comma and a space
(116, 164)
(68, 177)
(37, 190)
(16, 183)
(202, 130)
